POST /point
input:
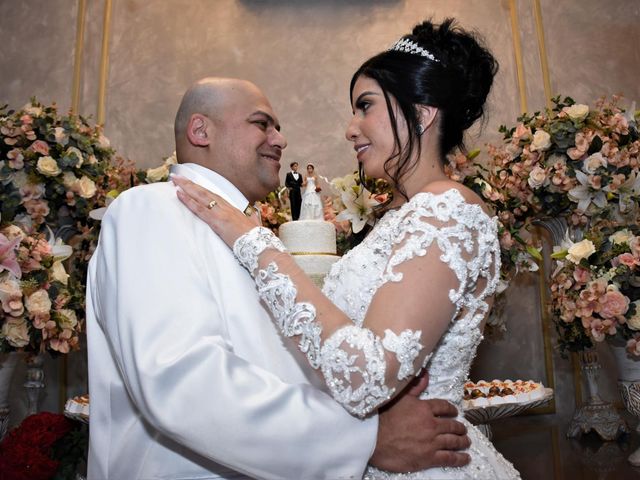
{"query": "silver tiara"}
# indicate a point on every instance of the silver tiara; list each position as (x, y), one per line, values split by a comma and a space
(409, 46)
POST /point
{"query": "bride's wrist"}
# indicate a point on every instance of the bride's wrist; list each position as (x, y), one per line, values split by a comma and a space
(248, 247)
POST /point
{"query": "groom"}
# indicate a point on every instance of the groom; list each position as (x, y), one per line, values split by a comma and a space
(293, 181)
(188, 376)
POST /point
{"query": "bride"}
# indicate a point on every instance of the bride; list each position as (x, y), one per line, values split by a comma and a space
(416, 292)
(311, 208)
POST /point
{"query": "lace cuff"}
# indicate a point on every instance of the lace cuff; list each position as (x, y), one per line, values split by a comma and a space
(293, 319)
(248, 247)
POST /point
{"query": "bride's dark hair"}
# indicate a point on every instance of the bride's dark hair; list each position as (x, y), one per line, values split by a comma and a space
(457, 84)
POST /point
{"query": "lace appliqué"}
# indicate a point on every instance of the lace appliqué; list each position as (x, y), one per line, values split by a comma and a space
(249, 246)
(293, 319)
(343, 368)
(407, 347)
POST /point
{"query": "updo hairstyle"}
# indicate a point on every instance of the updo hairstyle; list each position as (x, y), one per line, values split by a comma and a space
(457, 82)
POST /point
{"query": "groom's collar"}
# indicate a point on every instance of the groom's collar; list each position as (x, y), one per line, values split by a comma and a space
(213, 182)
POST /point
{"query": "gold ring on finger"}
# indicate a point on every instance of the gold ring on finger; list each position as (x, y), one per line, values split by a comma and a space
(212, 204)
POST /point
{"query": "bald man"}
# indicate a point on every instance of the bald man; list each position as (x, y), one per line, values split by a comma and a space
(188, 377)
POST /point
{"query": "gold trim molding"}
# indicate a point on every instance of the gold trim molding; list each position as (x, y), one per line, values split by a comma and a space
(544, 64)
(77, 61)
(517, 50)
(104, 61)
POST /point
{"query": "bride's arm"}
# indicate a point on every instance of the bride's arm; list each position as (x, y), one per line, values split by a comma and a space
(366, 366)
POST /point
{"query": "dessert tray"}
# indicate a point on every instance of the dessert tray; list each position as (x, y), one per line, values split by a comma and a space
(501, 399)
(77, 408)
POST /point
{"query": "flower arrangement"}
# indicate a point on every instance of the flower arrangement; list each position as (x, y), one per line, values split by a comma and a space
(45, 446)
(570, 162)
(41, 304)
(50, 167)
(274, 210)
(595, 288)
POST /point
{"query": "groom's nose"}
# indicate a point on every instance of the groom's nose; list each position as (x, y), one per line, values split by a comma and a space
(276, 139)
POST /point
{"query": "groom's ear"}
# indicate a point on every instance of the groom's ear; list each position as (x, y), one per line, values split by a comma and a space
(199, 130)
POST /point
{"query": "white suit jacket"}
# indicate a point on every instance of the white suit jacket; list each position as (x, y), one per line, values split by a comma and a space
(188, 377)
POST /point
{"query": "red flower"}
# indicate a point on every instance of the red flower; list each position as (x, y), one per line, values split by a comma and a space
(26, 451)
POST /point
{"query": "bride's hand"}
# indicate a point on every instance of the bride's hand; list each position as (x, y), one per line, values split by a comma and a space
(224, 219)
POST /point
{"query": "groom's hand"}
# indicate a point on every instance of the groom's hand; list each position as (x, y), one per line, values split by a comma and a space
(418, 434)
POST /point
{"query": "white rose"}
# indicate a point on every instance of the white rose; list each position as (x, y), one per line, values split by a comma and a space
(157, 174)
(577, 111)
(580, 250)
(74, 152)
(85, 187)
(593, 162)
(58, 273)
(60, 136)
(69, 179)
(16, 332)
(67, 319)
(537, 177)
(32, 110)
(634, 322)
(48, 166)
(621, 236)
(541, 141)
(38, 302)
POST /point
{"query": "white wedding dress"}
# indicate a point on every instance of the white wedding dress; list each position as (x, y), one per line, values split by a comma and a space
(311, 207)
(351, 284)
(358, 365)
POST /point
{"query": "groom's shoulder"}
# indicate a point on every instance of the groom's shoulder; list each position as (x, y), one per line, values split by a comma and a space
(144, 200)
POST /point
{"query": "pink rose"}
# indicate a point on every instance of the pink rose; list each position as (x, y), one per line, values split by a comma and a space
(625, 259)
(522, 132)
(40, 147)
(582, 275)
(613, 304)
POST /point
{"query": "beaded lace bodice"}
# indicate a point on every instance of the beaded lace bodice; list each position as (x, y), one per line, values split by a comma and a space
(354, 279)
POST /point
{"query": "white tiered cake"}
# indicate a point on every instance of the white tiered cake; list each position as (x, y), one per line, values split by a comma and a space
(312, 244)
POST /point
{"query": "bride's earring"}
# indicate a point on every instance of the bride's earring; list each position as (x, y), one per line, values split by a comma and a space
(420, 129)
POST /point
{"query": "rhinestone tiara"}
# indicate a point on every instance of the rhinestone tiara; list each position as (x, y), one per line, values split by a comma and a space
(409, 46)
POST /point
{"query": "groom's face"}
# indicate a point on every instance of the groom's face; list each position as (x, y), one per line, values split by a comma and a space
(249, 144)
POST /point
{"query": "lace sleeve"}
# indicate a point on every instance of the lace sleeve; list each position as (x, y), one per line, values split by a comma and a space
(366, 365)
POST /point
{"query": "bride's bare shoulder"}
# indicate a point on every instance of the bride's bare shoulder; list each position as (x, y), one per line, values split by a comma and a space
(441, 186)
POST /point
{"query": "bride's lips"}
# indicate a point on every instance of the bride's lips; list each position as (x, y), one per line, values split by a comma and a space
(361, 149)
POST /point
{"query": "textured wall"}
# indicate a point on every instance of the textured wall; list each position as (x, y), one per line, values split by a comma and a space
(302, 53)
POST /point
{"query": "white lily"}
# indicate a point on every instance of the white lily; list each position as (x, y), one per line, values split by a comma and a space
(59, 249)
(359, 203)
(584, 195)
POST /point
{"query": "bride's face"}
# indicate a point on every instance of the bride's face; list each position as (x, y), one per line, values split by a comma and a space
(309, 170)
(370, 127)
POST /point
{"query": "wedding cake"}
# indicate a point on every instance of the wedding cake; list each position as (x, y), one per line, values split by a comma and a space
(312, 244)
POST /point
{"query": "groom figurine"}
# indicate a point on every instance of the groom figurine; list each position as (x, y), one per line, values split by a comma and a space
(188, 376)
(293, 182)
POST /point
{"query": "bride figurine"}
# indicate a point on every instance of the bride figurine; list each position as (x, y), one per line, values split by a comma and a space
(311, 208)
(416, 293)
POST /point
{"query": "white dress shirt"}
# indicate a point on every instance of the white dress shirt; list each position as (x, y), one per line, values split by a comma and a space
(188, 377)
